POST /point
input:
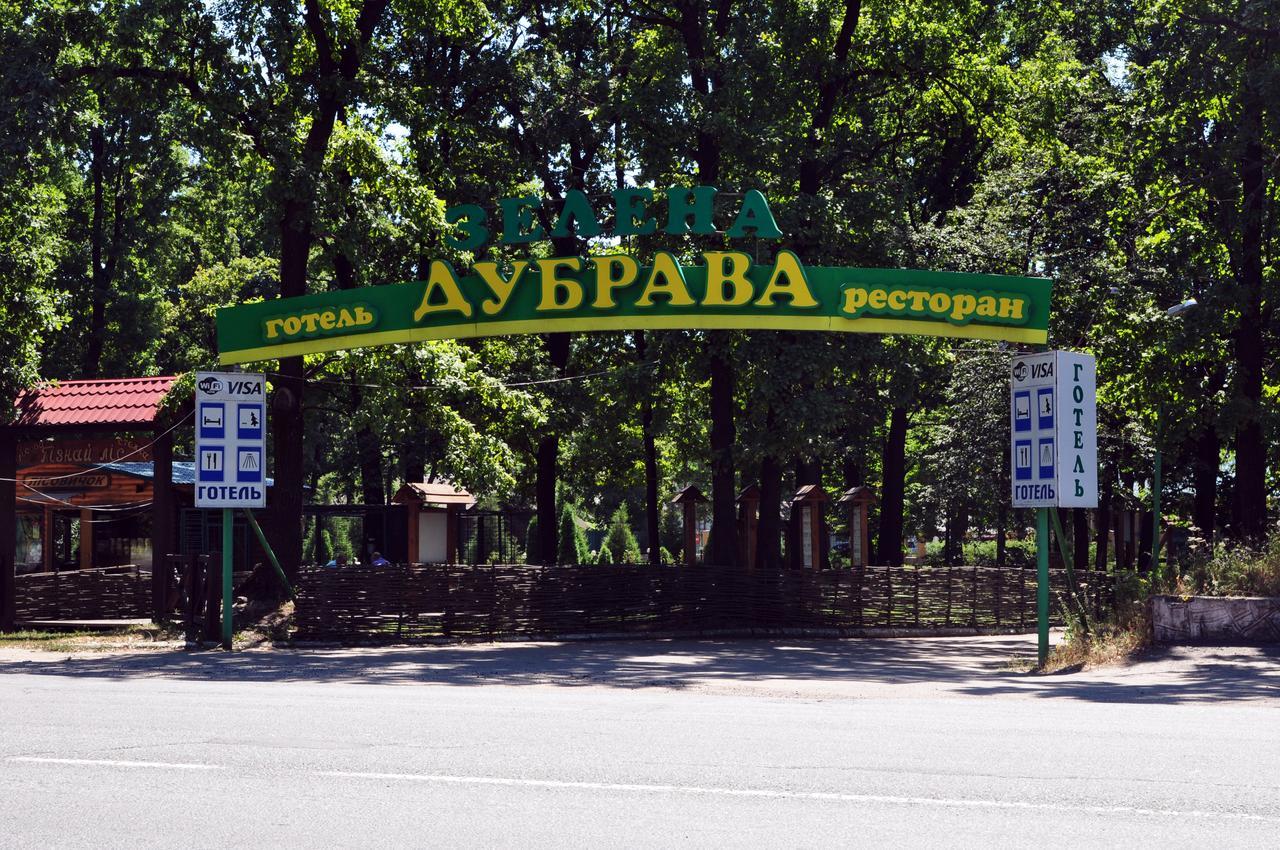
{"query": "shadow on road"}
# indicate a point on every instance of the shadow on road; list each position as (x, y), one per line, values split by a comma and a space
(978, 666)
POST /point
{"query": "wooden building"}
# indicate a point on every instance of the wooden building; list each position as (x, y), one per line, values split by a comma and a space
(70, 495)
(432, 520)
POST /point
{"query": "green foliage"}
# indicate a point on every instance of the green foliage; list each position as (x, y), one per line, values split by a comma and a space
(572, 541)
(605, 556)
(982, 553)
(532, 552)
(620, 540)
(1232, 570)
(155, 158)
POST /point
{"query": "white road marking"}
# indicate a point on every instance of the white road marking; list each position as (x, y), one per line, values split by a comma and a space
(162, 765)
(801, 795)
(757, 793)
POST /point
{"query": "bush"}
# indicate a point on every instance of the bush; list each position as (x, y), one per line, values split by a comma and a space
(620, 539)
(982, 553)
(605, 555)
(572, 542)
(671, 531)
(532, 553)
(1234, 570)
(664, 556)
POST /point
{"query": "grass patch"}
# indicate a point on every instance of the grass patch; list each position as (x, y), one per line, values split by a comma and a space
(111, 640)
(1108, 645)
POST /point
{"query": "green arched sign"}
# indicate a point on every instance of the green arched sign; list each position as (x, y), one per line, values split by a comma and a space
(612, 291)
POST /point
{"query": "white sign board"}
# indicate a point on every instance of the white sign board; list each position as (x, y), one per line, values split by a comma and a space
(1053, 420)
(231, 440)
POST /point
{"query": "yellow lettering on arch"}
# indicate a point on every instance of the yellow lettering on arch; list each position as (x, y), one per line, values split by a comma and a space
(673, 286)
(788, 279)
(442, 280)
(500, 287)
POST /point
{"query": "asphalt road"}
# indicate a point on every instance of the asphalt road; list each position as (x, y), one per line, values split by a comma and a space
(713, 744)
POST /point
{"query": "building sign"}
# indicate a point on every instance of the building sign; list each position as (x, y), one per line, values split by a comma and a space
(231, 447)
(1054, 430)
(723, 289)
(86, 481)
(87, 452)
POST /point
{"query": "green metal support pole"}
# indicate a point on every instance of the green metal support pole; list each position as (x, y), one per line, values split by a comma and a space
(228, 519)
(266, 547)
(1155, 501)
(1042, 582)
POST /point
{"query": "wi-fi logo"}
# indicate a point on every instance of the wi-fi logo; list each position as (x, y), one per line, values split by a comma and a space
(210, 385)
(1020, 371)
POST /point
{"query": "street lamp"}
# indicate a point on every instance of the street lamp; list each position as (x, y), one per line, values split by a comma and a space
(1172, 312)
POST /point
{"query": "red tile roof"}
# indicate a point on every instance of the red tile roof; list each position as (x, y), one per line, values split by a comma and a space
(122, 402)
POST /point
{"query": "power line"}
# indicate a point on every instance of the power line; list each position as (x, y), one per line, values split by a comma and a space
(510, 385)
(107, 465)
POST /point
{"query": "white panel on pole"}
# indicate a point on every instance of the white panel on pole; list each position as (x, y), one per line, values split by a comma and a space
(231, 440)
(1077, 430)
(1053, 422)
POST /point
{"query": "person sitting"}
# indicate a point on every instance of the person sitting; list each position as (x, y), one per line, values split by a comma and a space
(379, 561)
(340, 561)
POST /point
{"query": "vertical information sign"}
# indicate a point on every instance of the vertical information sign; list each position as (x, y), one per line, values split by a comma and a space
(1053, 418)
(231, 440)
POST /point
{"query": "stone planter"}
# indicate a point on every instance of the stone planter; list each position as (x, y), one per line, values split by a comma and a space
(1216, 619)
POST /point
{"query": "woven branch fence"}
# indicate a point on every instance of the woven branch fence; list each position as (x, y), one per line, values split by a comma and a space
(405, 603)
(110, 593)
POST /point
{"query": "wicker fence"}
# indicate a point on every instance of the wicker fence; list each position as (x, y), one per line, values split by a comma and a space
(111, 593)
(416, 602)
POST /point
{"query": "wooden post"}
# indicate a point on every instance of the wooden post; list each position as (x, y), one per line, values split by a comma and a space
(412, 510)
(859, 500)
(809, 500)
(451, 534)
(162, 522)
(86, 539)
(8, 528)
(46, 538)
(748, 522)
(688, 499)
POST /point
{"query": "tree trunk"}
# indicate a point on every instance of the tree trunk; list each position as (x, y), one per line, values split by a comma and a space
(369, 448)
(895, 474)
(1002, 528)
(1080, 542)
(724, 514)
(96, 332)
(769, 528)
(548, 460)
(1104, 522)
(651, 506)
(1250, 347)
(1204, 477)
(1143, 554)
(337, 67)
(287, 429)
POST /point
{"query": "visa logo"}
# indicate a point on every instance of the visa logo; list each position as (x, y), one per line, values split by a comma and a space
(1042, 370)
(244, 387)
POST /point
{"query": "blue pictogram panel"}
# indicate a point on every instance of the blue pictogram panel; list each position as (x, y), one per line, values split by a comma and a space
(212, 420)
(1022, 410)
(249, 465)
(1044, 407)
(249, 421)
(213, 464)
(1022, 460)
(1044, 458)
